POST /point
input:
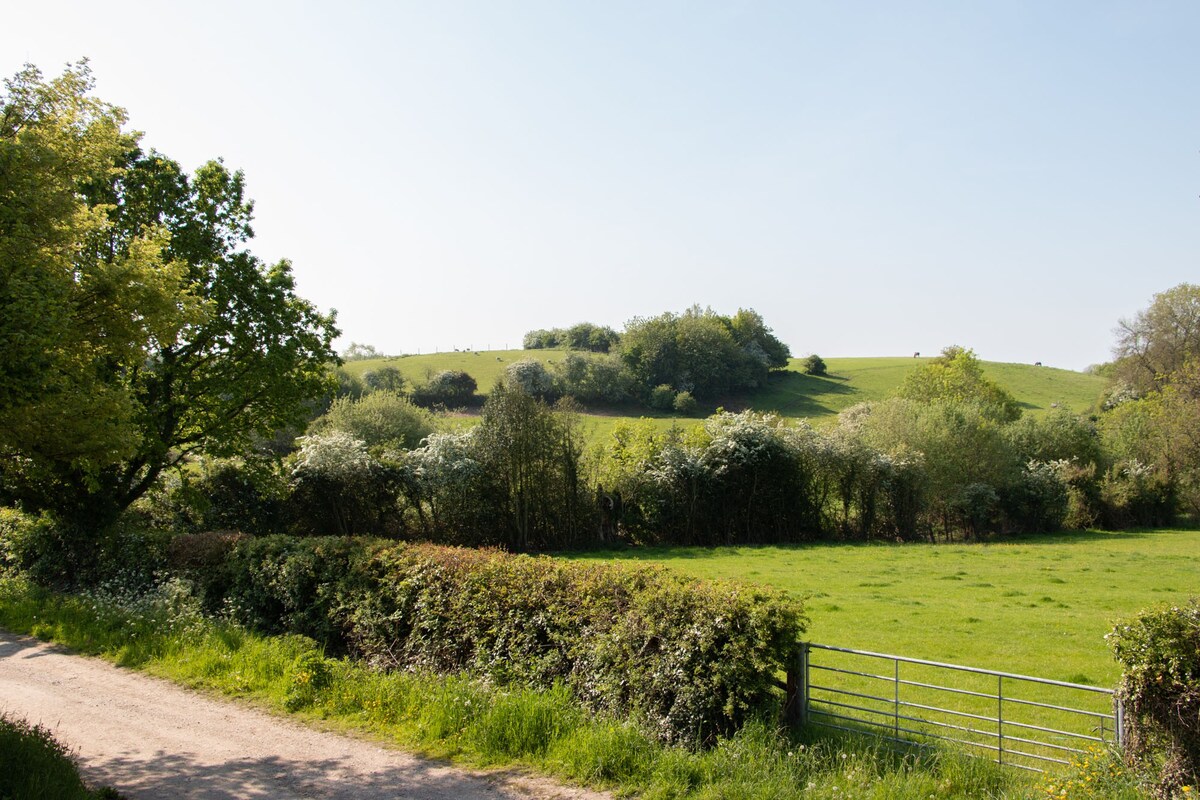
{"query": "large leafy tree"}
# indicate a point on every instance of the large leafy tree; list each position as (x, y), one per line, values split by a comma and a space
(1160, 339)
(136, 327)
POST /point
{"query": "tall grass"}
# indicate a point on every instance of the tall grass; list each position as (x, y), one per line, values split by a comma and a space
(35, 766)
(475, 723)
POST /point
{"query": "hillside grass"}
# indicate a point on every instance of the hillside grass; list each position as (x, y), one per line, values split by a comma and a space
(789, 392)
(1034, 605)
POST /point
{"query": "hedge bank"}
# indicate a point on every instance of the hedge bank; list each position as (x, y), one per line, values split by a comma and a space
(691, 660)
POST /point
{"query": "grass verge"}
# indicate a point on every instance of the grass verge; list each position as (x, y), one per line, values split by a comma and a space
(462, 719)
(35, 766)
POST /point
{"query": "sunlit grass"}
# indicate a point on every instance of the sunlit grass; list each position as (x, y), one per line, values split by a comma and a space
(474, 723)
(789, 393)
(1035, 605)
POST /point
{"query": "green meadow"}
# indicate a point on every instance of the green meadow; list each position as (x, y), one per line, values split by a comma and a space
(1037, 605)
(789, 392)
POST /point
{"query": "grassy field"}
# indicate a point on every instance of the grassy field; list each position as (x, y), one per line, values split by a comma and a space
(790, 392)
(480, 724)
(1036, 605)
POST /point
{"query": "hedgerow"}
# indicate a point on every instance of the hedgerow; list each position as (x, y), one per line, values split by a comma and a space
(1159, 651)
(691, 660)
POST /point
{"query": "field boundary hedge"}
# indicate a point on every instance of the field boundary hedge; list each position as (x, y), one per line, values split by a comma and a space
(692, 660)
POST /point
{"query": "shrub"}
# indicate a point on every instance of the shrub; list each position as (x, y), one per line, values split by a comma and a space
(593, 378)
(1159, 652)
(684, 403)
(382, 420)
(662, 397)
(236, 494)
(284, 584)
(308, 676)
(1133, 493)
(31, 544)
(450, 388)
(529, 376)
(1038, 501)
(814, 365)
(338, 487)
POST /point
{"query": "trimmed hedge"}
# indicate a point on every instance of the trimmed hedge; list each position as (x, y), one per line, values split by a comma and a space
(692, 660)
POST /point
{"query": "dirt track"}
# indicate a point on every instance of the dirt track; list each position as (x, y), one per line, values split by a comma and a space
(151, 739)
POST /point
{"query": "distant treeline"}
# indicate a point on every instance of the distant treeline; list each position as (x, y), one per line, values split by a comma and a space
(582, 336)
(950, 456)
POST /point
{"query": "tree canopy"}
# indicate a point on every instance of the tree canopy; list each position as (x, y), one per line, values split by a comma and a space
(136, 326)
(957, 376)
(700, 351)
(1160, 339)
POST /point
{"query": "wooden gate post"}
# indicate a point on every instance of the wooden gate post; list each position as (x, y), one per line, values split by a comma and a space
(795, 709)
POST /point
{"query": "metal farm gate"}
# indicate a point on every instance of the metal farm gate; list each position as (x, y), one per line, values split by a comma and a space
(1016, 720)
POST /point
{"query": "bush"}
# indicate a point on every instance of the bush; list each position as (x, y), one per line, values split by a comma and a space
(662, 398)
(593, 378)
(382, 420)
(385, 379)
(1159, 652)
(32, 545)
(284, 584)
(1134, 494)
(339, 488)
(814, 365)
(450, 388)
(529, 376)
(236, 494)
(684, 403)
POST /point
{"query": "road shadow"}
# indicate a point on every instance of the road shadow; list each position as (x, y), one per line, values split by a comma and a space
(12, 644)
(181, 775)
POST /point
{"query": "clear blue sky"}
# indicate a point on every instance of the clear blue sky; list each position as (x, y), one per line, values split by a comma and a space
(873, 178)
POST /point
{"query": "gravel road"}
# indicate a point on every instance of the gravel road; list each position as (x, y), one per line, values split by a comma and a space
(152, 739)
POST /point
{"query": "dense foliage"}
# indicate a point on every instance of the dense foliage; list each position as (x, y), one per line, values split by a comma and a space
(1159, 652)
(447, 389)
(137, 328)
(691, 660)
(581, 336)
(699, 352)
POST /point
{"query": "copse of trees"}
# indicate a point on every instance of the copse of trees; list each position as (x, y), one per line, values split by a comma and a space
(581, 336)
(700, 351)
(698, 354)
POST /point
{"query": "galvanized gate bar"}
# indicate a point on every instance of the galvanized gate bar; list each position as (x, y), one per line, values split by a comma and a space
(1006, 747)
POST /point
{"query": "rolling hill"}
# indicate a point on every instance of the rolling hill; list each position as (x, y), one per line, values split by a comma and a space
(789, 392)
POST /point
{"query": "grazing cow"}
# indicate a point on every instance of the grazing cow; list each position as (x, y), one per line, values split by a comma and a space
(1037, 363)
(917, 354)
